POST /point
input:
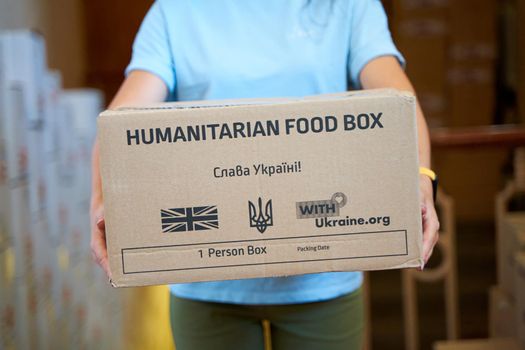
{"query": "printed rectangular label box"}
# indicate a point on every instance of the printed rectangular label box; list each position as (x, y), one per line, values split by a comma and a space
(218, 190)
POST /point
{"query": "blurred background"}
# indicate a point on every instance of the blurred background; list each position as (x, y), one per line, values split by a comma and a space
(466, 59)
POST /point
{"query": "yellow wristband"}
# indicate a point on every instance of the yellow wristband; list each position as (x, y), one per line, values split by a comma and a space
(427, 172)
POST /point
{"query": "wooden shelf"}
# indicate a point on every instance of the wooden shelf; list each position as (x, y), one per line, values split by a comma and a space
(506, 136)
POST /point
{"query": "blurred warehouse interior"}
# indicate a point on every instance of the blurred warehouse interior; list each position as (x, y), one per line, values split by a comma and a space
(466, 59)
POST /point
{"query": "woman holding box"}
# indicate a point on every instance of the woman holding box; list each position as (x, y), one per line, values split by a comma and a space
(198, 50)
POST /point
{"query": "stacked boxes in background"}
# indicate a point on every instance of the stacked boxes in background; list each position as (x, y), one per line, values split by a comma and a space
(421, 32)
(17, 94)
(79, 109)
(450, 50)
(50, 290)
(52, 278)
(472, 62)
(36, 255)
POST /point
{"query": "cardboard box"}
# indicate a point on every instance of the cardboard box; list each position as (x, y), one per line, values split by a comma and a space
(473, 30)
(502, 309)
(69, 239)
(520, 44)
(421, 33)
(258, 188)
(39, 238)
(52, 277)
(7, 299)
(478, 344)
(82, 107)
(519, 285)
(472, 52)
(458, 40)
(510, 242)
(49, 276)
(472, 94)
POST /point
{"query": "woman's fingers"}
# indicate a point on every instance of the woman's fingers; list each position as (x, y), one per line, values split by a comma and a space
(430, 230)
(98, 242)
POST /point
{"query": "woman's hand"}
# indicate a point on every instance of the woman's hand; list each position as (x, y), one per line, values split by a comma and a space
(386, 72)
(428, 216)
(140, 87)
(98, 236)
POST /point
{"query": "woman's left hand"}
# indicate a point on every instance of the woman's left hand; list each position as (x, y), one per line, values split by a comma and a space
(428, 216)
(386, 72)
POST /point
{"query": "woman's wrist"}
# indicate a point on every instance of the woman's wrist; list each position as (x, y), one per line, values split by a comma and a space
(428, 182)
(96, 200)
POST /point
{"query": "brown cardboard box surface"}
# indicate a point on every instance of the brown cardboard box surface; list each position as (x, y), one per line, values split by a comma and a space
(521, 58)
(519, 285)
(478, 344)
(512, 241)
(421, 34)
(233, 205)
(502, 309)
(458, 40)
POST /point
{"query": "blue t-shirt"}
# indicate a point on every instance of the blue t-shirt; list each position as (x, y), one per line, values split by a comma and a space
(215, 49)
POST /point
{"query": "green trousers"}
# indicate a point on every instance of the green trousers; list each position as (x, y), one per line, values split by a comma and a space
(333, 324)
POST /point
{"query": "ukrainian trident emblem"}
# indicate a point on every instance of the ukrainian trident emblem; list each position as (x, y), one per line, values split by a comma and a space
(259, 218)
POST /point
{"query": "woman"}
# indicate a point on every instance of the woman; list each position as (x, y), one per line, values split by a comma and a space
(214, 49)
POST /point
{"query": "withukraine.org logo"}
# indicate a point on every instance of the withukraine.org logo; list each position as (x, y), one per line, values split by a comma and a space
(326, 213)
(321, 208)
(189, 219)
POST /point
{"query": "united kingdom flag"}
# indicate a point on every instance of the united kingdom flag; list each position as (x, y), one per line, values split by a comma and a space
(189, 219)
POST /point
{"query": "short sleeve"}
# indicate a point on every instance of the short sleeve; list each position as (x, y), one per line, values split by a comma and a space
(369, 37)
(151, 48)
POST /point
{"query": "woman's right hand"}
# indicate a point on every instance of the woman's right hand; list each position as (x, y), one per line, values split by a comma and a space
(99, 250)
(98, 236)
(140, 87)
